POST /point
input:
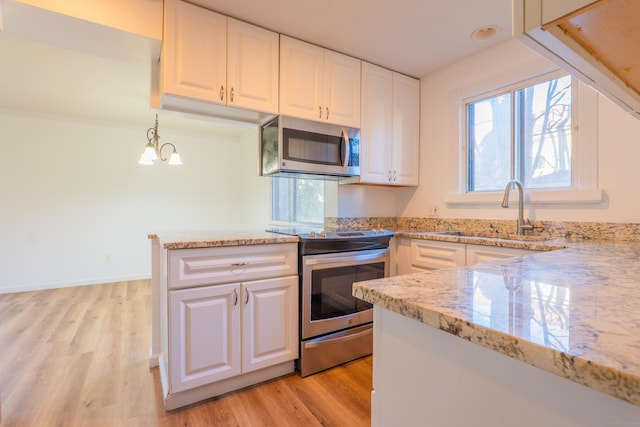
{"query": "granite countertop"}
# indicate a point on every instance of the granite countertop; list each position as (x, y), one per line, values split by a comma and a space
(209, 239)
(573, 309)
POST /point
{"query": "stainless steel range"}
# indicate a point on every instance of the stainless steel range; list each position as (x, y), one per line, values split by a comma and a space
(336, 327)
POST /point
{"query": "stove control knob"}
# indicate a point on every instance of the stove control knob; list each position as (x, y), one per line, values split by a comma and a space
(312, 234)
(322, 233)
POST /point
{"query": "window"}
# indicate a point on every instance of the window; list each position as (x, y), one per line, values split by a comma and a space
(297, 201)
(524, 133)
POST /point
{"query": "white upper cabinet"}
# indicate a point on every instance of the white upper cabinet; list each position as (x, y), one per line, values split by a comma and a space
(318, 84)
(376, 132)
(389, 134)
(406, 130)
(209, 59)
(194, 52)
(252, 67)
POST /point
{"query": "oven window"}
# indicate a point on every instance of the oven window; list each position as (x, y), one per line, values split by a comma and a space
(331, 290)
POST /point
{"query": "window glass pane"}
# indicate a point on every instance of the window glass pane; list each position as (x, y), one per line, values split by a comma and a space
(297, 200)
(281, 207)
(309, 200)
(546, 134)
(489, 142)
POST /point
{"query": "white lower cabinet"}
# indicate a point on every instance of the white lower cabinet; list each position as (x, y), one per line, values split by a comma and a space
(205, 336)
(418, 255)
(229, 319)
(269, 322)
(221, 331)
(482, 253)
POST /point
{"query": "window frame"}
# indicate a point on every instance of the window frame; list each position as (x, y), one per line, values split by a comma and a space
(584, 167)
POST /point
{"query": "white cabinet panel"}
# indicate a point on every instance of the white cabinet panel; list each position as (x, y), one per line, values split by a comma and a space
(252, 67)
(210, 61)
(429, 254)
(204, 343)
(376, 133)
(318, 84)
(390, 135)
(341, 94)
(481, 253)
(191, 267)
(269, 322)
(194, 52)
(300, 79)
(406, 130)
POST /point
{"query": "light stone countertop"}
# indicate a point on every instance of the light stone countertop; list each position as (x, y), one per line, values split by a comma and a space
(573, 309)
(209, 239)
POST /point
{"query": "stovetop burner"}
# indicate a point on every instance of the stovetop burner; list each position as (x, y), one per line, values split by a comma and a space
(317, 233)
(316, 241)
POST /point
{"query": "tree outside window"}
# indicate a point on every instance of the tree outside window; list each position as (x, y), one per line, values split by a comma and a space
(298, 201)
(524, 134)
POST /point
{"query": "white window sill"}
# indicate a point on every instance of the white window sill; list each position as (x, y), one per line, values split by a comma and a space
(530, 197)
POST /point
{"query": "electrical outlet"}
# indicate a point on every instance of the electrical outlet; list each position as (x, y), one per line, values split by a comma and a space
(107, 259)
(434, 211)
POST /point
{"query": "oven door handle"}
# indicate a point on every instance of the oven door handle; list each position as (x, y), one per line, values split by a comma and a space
(349, 337)
(350, 258)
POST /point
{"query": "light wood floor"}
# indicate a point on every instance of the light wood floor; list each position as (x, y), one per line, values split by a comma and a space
(79, 356)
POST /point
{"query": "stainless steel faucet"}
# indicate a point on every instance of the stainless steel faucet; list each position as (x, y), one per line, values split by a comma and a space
(505, 204)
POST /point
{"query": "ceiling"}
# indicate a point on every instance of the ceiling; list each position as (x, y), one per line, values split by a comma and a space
(50, 74)
(413, 37)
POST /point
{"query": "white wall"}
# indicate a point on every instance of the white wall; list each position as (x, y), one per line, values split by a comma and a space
(618, 147)
(72, 193)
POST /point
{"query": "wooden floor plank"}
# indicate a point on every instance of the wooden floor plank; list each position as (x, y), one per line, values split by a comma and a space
(79, 357)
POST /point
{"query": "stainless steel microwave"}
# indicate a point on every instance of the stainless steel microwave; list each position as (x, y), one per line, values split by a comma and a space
(291, 146)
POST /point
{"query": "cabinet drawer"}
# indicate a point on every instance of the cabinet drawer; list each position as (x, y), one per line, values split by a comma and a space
(193, 267)
(429, 255)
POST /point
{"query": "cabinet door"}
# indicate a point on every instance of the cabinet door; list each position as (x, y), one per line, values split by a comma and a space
(252, 67)
(204, 338)
(341, 94)
(300, 79)
(480, 253)
(269, 322)
(406, 130)
(376, 131)
(431, 255)
(194, 52)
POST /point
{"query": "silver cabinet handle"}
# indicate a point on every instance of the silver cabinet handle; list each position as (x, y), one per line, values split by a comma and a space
(221, 93)
(246, 297)
(239, 264)
(231, 95)
(234, 298)
(389, 175)
(394, 176)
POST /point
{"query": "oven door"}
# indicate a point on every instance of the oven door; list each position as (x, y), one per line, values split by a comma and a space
(327, 303)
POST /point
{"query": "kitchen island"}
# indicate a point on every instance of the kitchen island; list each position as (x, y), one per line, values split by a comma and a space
(551, 338)
(213, 293)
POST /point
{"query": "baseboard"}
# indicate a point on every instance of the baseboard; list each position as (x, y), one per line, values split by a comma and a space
(57, 285)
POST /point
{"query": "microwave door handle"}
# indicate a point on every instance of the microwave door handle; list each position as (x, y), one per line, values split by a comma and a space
(345, 148)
